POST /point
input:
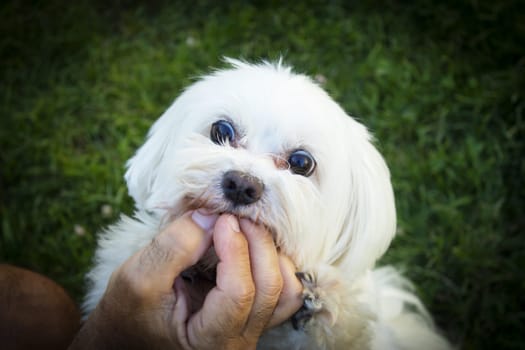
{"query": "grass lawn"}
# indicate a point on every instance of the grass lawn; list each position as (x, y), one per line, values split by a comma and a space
(441, 84)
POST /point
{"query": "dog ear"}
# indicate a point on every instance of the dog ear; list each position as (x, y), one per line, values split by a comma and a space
(370, 221)
(142, 168)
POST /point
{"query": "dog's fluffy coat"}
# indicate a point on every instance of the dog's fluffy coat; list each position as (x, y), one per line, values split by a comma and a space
(333, 224)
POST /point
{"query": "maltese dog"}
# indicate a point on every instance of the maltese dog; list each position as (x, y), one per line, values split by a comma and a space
(262, 142)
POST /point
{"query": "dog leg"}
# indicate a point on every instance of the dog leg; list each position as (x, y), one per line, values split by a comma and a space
(331, 316)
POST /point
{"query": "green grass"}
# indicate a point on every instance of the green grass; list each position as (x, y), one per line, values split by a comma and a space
(441, 85)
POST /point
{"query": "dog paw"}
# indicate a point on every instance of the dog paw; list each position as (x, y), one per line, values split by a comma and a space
(312, 302)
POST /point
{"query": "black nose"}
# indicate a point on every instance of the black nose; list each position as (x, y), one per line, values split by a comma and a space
(241, 188)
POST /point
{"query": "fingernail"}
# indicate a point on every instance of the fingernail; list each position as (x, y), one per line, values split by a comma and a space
(204, 220)
(233, 222)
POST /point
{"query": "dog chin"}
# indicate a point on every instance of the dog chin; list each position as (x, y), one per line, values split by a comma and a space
(204, 272)
(219, 206)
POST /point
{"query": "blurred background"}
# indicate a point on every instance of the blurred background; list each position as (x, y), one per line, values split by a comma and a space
(440, 84)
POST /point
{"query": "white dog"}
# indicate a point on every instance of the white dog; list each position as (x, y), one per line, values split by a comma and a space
(262, 142)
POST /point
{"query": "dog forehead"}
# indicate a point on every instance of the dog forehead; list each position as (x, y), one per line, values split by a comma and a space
(273, 105)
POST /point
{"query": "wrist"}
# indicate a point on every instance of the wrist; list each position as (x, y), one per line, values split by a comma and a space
(90, 336)
(101, 332)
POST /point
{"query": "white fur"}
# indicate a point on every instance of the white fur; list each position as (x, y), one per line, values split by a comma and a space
(334, 224)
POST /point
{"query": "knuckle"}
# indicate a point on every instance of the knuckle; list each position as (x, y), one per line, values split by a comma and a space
(158, 249)
(169, 244)
(165, 247)
(239, 243)
(274, 286)
(244, 295)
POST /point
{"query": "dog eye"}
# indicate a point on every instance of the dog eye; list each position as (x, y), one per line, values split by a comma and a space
(301, 163)
(221, 132)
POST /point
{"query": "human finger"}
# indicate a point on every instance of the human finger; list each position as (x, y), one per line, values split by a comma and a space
(290, 299)
(227, 306)
(180, 245)
(266, 275)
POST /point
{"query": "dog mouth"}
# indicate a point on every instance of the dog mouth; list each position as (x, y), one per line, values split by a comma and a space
(214, 206)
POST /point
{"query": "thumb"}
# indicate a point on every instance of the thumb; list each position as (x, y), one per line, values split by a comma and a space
(180, 245)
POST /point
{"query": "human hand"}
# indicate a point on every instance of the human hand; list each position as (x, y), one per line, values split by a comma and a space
(256, 288)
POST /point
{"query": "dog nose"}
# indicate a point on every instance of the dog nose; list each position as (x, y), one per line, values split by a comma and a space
(241, 188)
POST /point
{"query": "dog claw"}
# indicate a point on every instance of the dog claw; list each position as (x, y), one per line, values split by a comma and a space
(311, 302)
(304, 277)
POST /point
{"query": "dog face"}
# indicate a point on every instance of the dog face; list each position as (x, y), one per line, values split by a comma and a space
(262, 142)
